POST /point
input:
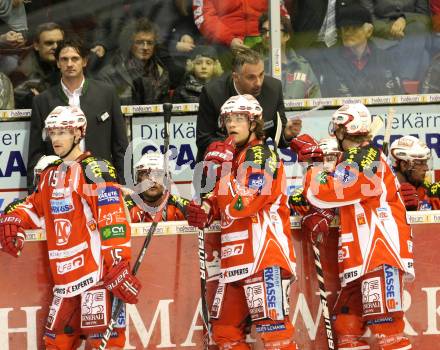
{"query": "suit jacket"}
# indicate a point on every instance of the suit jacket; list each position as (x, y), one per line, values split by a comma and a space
(217, 91)
(104, 138)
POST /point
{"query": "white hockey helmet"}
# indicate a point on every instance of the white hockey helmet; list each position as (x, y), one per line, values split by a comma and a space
(149, 161)
(355, 118)
(242, 104)
(408, 148)
(329, 145)
(65, 117)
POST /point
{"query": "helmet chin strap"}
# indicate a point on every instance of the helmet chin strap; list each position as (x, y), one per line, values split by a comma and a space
(74, 143)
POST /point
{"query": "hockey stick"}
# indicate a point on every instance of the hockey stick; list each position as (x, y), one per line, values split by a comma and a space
(323, 296)
(203, 297)
(167, 107)
(387, 136)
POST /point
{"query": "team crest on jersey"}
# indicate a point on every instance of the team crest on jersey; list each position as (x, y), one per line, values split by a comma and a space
(63, 229)
(225, 220)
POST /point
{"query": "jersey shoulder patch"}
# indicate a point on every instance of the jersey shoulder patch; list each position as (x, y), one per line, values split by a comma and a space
(434, 190)
(98, 170)
(262, 157)
(364, 158)
(178, 202)
(129, 202)
(297, 198)
(13, 205)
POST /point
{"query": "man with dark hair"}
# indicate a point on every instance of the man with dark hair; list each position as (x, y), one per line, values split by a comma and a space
(136, 72)
(38, 70)
(258, 259)
(98, 101)
(247, 77)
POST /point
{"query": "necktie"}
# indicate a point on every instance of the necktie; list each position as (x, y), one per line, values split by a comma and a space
(328, 32)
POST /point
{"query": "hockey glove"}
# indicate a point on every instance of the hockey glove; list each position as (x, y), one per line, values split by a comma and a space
(199, 215)
(316, 224)
(306, 148)
(409, 195)
(220, 151)
(122, 283)
(12, 234)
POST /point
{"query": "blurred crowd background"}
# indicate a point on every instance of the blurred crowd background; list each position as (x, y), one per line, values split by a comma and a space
(153, 51)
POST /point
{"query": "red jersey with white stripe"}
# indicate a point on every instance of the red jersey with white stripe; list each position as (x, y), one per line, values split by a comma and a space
(373, 229)
(429, 196)
(81, 208)
(254, 211)
(174, 210)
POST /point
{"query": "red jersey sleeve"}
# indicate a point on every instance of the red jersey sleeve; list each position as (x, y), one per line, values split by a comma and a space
(105, 198)
(357, 177)
(251, 187)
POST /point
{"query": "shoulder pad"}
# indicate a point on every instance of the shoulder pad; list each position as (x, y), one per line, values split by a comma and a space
(129, 202)
(13, 205)
(297, 198)
(363, 157)
(98, 170)
(178, 202)
(434, 190)
(259, 155)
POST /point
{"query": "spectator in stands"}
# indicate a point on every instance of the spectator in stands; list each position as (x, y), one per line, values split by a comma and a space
(12, 33)
(38, 70)
(403, 28)
(431, 83)
(106, 131)
(358, 68)
(6, 92)
(298, 78)
(137, 73)
(409, 158)
(184, 37)
(230, 24)
(247, 77)
(202, 67)
(435, 18)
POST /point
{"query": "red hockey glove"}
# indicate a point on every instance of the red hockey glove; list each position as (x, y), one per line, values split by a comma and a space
(316, 224)
(306, 148)
(122, 283)
(409, 195)
(12, 234)
(221, 151)
(197, 216)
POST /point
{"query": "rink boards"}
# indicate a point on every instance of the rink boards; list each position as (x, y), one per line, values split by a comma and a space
(168, 314)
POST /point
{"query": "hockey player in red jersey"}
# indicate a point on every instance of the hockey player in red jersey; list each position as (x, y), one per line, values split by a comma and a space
(409, 158)
(375, 249)
(149, 175)
(42, 164)
(88, 256)
(257, 256)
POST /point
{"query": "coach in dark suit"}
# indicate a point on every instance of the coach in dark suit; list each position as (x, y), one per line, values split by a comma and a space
(247, 77)
(106, 135)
